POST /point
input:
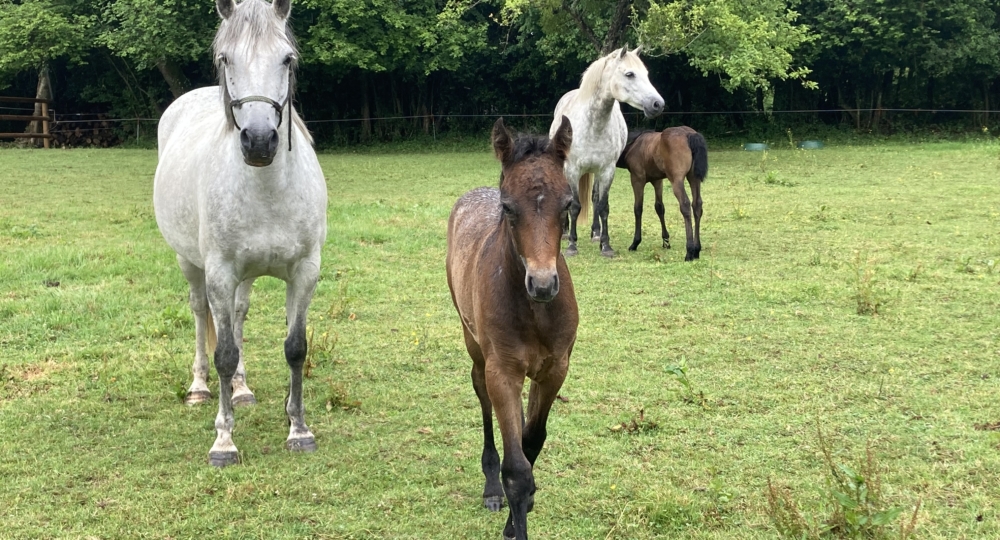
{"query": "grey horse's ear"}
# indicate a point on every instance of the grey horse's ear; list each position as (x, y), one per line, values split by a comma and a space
(637, 50)
(503, 141)
(624, 51)
(563, 139)
(225, 7)
(282, 8)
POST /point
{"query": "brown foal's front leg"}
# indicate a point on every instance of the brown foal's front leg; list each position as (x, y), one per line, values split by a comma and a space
(504, 386)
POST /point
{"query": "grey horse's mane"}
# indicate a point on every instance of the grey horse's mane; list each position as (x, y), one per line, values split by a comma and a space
(253, 23)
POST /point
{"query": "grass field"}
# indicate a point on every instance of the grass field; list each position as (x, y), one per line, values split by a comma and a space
(852, 291)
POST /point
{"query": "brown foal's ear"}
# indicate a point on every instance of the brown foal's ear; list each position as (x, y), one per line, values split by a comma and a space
(503, 141)
(225, 7)
(562, 140)
(282, 8)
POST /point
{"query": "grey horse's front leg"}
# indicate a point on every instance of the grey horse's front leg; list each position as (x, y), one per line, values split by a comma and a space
(242, 395)
(574, 212)
(298, 294)
(198, 392)
(602, 207)
(221, 286)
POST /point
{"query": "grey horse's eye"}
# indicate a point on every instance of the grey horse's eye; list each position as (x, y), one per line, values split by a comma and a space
(223, 60)
(630, 74)
(289, 59)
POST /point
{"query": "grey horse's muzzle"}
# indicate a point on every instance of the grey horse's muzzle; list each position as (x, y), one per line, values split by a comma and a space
(653, 107)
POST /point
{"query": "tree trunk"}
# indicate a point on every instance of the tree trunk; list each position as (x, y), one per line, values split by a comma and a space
(175, 78)
(577, 17)
(619, 24)
(42, 91)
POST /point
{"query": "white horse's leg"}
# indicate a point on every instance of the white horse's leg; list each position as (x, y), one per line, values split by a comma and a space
(573, 177)
(298, 294)
(602, 186)
(221, 284)
(241, 393)
(198, 392)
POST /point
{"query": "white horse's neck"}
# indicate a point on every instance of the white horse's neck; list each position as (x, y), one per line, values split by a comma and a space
(595, 91)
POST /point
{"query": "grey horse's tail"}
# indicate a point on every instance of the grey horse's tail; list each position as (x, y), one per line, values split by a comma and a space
(585, 189)
(632, 136)
(699, 155)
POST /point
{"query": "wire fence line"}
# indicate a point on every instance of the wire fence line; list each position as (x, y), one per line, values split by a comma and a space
(76, 118)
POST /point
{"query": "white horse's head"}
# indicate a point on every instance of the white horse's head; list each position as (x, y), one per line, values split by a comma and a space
(628, 81)
(255, 56)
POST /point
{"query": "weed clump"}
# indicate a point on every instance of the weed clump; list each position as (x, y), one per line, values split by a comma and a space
(855, 503)
(869, 296)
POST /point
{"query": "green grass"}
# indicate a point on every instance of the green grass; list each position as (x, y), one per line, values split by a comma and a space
(96, 443)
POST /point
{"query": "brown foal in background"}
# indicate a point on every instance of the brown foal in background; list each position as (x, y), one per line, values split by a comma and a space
(672, 153)
(514, 295)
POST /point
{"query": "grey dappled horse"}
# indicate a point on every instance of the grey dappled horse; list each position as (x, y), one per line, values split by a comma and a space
(239, 194)
(599, 132)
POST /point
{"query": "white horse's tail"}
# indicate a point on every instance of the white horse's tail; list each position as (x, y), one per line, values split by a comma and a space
(586, 188)
(211, 340)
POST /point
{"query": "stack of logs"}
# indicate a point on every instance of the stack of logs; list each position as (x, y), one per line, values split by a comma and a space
(72, 133)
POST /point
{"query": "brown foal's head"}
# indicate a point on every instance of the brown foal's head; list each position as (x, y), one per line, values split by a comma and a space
(536, 198)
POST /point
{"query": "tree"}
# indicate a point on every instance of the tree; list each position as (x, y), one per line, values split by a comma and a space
(408, 39)
(748, 44)
(34, 33)
(160, 33)
(872, 51)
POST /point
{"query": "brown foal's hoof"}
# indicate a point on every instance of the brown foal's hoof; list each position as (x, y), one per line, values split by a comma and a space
(493, 503)
(244, 400)
(304, 445)
(197, 398)
(223, 459)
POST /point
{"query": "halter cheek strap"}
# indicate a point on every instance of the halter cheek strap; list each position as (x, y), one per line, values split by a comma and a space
(277, 107)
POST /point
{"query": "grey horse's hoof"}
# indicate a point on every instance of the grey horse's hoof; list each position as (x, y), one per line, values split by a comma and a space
(305, 445)
(223, 459)
(609, 253)
(595, 238)
(666, 244)
(244, 400)
(197, 398)
(571, 251)
(493, 503)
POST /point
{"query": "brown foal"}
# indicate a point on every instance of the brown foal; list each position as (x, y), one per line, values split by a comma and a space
(514, 295)
(672, 153)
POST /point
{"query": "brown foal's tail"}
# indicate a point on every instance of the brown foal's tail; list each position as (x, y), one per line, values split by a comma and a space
(211, 340)
(699, 155)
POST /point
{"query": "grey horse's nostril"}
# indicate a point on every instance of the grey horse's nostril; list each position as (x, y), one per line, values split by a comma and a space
(657, 105)
(272, 142)
(245, 139)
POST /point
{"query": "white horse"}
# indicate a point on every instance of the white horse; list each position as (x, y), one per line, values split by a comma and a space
(600, 133)
(239, 194)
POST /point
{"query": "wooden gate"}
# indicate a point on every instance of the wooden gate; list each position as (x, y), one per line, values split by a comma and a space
(44, 119)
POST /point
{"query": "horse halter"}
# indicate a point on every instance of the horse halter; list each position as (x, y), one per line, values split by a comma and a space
(279, 107)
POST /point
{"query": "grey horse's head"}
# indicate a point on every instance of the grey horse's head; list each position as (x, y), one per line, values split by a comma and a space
(628, 80)
(255, 55)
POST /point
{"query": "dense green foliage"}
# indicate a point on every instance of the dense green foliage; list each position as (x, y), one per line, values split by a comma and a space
(855, 287)
(388, 69)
